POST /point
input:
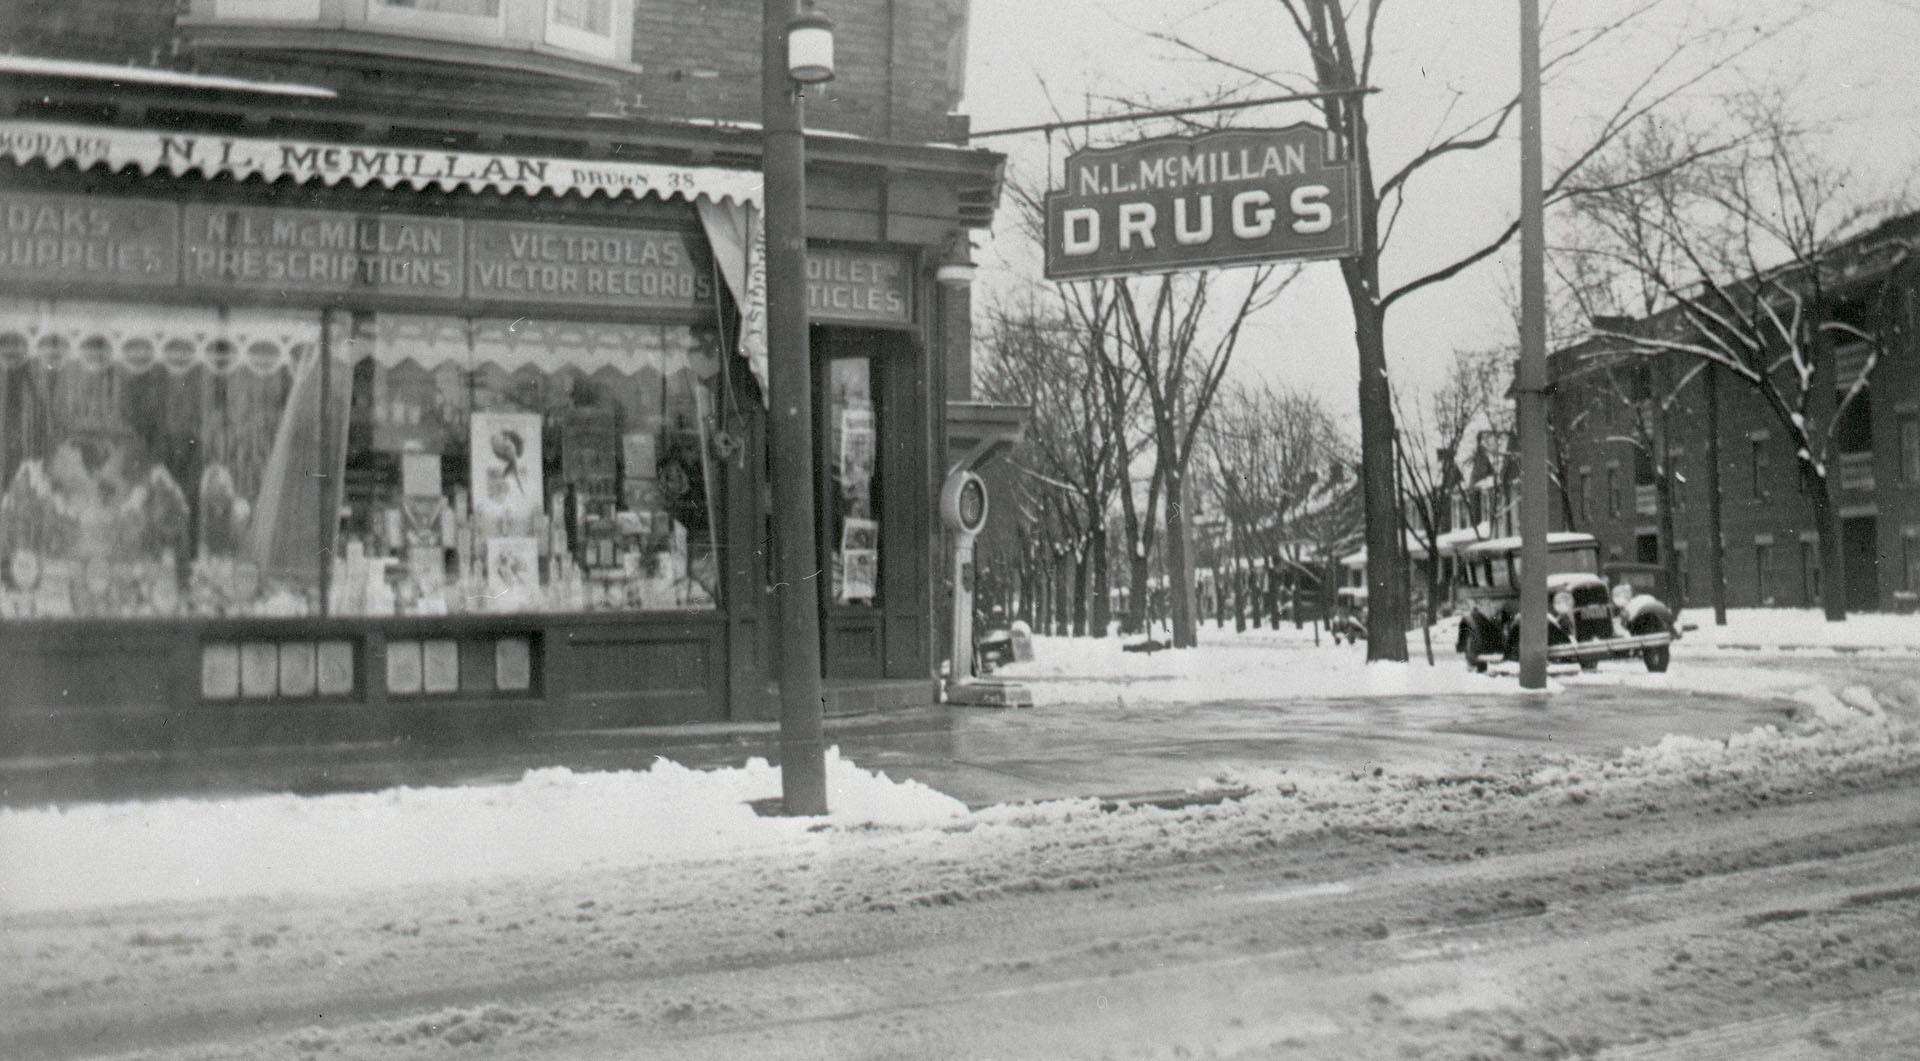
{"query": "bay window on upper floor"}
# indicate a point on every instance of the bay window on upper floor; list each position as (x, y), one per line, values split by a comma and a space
(599, 31)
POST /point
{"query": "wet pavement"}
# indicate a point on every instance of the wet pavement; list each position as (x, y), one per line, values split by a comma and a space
(984, 756)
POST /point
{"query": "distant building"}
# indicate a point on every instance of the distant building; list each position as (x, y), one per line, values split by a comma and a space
(1603, 399)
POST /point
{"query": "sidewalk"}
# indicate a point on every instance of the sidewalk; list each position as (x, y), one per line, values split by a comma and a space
(1140, 745)
(1116, 725)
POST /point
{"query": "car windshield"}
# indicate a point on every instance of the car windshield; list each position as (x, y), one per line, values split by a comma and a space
(1504, 571)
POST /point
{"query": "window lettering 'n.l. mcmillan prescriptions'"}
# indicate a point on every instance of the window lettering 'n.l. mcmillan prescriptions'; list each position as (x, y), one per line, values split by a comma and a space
(1224, 198)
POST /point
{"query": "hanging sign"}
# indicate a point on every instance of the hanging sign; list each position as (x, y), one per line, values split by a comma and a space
(1233, 197)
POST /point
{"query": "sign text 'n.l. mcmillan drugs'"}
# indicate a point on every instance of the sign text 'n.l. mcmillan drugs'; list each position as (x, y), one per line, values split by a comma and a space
(1233, 197)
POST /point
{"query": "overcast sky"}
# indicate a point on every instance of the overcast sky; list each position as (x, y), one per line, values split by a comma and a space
(1853, 65)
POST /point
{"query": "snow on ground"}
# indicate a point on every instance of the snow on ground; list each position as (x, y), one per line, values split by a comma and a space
(1267, 665)
(555, 822)
(1801, 628)
(551, 821)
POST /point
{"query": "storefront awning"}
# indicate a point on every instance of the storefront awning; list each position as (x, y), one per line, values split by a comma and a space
(728, 199)
(361, 165)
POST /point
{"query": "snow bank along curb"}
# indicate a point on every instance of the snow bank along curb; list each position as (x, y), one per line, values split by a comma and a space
(920, 845)
(551, 821)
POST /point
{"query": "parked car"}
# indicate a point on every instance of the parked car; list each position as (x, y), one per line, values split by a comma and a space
(1589, 618)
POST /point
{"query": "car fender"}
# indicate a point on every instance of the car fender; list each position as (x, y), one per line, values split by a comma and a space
(1642, 609)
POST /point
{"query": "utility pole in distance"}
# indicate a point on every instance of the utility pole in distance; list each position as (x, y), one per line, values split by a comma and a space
(803, 774)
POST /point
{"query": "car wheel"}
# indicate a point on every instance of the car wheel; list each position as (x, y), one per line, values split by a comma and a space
(1657, 658)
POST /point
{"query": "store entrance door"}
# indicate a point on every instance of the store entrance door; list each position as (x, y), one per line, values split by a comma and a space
(851, 508)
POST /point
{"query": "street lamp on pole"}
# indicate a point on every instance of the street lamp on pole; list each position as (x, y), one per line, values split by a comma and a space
(796, 50)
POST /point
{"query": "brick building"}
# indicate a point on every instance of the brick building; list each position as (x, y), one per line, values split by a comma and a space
(373, 368)
(1620, 418)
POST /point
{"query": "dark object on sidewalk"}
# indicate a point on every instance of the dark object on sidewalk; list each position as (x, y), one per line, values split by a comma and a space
(1149, 645)
(994, 649)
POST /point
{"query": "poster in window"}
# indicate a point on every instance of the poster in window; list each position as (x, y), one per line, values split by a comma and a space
(856, 449)
(859, 573)
(513, 570)
(859, 534)
(507, 487)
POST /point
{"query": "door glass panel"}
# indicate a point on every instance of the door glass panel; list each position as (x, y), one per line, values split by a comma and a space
(855, 496)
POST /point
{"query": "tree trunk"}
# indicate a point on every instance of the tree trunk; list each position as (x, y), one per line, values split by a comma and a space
(1180, 602)
(1833, 562)
(1080, 575)
(1102, 616)
(1139, 574)
(1716, 537)
(1239, 585)
(1387, 610)
(1433, 598)
(1823, 408)
(1669, 556)
(1040, 582)
(1062, 596)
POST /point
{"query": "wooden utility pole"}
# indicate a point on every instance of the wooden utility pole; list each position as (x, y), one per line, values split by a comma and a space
(1530, 386)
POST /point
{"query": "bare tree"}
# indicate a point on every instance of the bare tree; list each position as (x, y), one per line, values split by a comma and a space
(1741, 262)
(1264, 449)
(1179, 346)
(1035, 356)
(1438, 446)
(1340, 38)
(1166, 341)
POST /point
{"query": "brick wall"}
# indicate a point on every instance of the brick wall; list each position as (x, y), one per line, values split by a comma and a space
(1767, 522)
(699, 58)
(110, 31)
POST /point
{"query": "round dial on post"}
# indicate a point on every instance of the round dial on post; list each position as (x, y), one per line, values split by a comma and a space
(963, 503)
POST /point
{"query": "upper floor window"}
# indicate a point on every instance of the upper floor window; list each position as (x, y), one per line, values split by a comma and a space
(452, 18)
(599, 29)
(274, 10)
(582, 25)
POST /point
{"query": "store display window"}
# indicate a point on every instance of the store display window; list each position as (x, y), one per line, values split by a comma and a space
(185, 461)
(515, 465)
(855, 504)
(150, 456)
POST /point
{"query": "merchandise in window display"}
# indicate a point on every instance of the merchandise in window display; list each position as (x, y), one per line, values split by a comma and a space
(172, 461)
(572, 469)
(142, 441)
(855, 560)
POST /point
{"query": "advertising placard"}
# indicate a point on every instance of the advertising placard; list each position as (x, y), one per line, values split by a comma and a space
(279, 249)
(851, 286)
(82, 238)
(528, 261)
(1232, 197)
